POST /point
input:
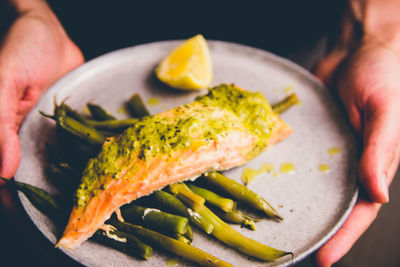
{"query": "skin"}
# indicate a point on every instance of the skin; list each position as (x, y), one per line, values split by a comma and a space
(36, 52)
(365, 73)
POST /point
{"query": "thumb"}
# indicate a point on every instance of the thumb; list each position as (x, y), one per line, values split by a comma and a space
(381, 153)
(9, 144)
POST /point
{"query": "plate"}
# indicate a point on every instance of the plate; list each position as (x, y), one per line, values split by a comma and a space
(314, 204)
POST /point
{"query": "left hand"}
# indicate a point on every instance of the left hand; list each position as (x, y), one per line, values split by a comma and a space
(368, 82)
(35, 52)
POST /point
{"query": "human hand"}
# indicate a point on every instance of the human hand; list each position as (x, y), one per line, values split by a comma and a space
(367, 78)
(35, 52)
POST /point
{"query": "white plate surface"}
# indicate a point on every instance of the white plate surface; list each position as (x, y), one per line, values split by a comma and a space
(313, 204)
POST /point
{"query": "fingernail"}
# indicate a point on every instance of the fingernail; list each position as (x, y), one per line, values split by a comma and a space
(384, 188)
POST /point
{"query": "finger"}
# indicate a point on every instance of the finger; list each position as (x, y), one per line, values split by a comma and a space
(381, 153)
(9, 152)
(326, 68)
(9, 144)
(27, 102)
(359, 220)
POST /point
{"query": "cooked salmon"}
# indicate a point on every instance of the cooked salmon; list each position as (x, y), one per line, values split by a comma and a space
(220, 130)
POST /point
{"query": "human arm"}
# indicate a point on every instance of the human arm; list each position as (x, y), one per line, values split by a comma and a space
(364, 67)
(34, 52)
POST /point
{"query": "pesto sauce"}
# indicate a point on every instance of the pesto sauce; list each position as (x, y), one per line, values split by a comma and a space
(252, 109)
(174, 131)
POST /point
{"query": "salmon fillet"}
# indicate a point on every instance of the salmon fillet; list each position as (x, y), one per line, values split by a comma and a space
(220, 130)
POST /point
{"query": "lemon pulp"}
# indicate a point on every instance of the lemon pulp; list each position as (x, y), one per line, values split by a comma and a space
(188, 66)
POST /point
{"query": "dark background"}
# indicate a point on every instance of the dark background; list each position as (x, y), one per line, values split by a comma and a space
(278, 26)
(298, 30)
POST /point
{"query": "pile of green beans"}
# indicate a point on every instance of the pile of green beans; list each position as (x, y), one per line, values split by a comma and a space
(155, 219)
(172, 204)
(241, 193)
(163, 218)
(123, 236)
(192, 200)
(53, 208)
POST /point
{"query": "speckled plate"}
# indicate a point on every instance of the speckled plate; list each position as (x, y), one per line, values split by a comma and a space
(314, 204)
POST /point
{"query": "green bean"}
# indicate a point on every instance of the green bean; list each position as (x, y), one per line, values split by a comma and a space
(112, 125)
(237, 217)
(241, 193)
(181, 190)
(181, 238)
(91, 131)
(172, 204)
(95, 110)
(286, 103)
(108, 133)
(54, 154)
(60, 177)
(65, 167)
(212, 198)
(189, 233)
(66, 179)
(124, 242)
(98, 113)
(249, 224)
(136, 107)
(63, 109)
(51, 207)
(65, 160)
(176, 247)
(165, 223)
(76, 127)
(105, 125)
(155, 219)
(76, 150)
(39, 198)
(82, 131)
(58, 172)
(234, 239)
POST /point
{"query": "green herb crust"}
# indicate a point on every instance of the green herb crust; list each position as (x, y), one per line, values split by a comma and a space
(225, 108)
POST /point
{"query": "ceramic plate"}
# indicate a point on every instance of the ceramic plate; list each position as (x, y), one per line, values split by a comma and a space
(313, 203)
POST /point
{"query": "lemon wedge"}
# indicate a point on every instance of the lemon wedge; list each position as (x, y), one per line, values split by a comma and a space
(188, 66)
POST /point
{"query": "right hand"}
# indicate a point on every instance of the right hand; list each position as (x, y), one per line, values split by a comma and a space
(34, 53)
(365, 72)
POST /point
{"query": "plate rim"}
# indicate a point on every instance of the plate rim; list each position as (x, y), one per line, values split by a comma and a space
(92, 65)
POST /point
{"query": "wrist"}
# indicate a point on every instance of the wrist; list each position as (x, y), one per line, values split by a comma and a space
(23, 6)
(379, 20)
(38, 9)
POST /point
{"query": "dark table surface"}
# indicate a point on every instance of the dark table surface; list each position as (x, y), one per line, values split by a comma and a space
(22, 244)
